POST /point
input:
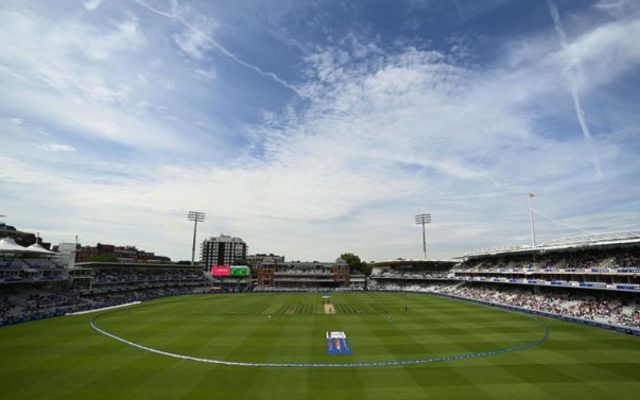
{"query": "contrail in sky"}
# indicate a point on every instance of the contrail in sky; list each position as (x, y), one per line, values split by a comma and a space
(573, 85)
(175, 15)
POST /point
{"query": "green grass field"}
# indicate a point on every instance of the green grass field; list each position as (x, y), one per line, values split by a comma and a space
(65, 358)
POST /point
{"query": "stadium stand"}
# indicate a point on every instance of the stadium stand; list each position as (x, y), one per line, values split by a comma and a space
(605, 267)
(609, 308)
(301, 276)
(37, 287)
(410, 275)
(597, 282)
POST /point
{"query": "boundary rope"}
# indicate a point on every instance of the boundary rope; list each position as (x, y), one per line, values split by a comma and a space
(459, 357)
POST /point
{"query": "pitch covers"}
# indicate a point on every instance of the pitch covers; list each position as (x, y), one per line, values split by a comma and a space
(338, 343)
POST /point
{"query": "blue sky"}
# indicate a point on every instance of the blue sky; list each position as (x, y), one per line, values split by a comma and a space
(310, 128)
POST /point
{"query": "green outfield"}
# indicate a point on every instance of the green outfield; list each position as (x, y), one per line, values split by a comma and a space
(65, 358)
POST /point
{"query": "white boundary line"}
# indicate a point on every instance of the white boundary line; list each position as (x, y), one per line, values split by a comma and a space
(103, 308)
(327, 365)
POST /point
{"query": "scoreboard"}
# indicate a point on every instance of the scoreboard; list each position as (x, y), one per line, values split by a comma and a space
(221, 271)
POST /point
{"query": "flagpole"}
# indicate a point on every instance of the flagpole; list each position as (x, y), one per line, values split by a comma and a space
(533, 231)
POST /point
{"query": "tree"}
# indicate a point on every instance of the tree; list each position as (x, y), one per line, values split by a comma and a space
(355, 264)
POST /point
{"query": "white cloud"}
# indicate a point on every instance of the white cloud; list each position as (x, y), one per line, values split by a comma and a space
(82, 77)
(194, 41)
(48, 54)
(57, 147)
(197, 38)
(414, 132)
(209, 74)
(96, 120)
(607, 51)
(126, 37)
(618, 8)
(387, 135)
(92, 5)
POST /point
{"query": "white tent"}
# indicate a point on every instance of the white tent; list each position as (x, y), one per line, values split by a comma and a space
(36, 247)
(8, 245)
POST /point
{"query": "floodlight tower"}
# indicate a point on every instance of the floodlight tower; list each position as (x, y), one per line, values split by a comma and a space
(422, 219)
(195, 216)
(533, 230)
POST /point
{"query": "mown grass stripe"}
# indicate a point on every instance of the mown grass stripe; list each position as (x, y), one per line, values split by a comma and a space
(62, 358)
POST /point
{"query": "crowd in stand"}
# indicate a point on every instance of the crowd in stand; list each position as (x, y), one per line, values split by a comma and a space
(585, 305)
(133, 275)
(408, 274)
(108, 300)
(407, 286)
(19, 263)
(606, 260)
(305, 279)
(607, 308)
(42, 263)
(31, 304)
(31, 276)
(30, 270)
(23, 302)
(303, 271)
(21, 306)
(307, 290)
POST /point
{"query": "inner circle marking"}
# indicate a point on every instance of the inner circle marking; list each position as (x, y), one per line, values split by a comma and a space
(458, 357)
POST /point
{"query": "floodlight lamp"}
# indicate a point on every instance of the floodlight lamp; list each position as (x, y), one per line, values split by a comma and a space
(196, 216)
(423, 219)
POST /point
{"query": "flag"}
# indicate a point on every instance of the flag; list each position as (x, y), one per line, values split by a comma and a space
(532, 195)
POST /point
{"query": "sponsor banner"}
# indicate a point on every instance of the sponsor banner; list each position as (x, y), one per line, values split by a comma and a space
(239, 270)
(221, 270)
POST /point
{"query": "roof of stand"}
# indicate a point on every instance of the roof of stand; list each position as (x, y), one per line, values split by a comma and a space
(573, 242)
(8, 245)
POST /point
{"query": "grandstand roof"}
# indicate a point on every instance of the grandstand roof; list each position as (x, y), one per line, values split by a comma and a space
(574, 242)
(8, 245)
(39, 249)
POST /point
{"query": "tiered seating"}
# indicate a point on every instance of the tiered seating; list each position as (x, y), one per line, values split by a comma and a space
(35, 297)
(600, 307)
(610, 269)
